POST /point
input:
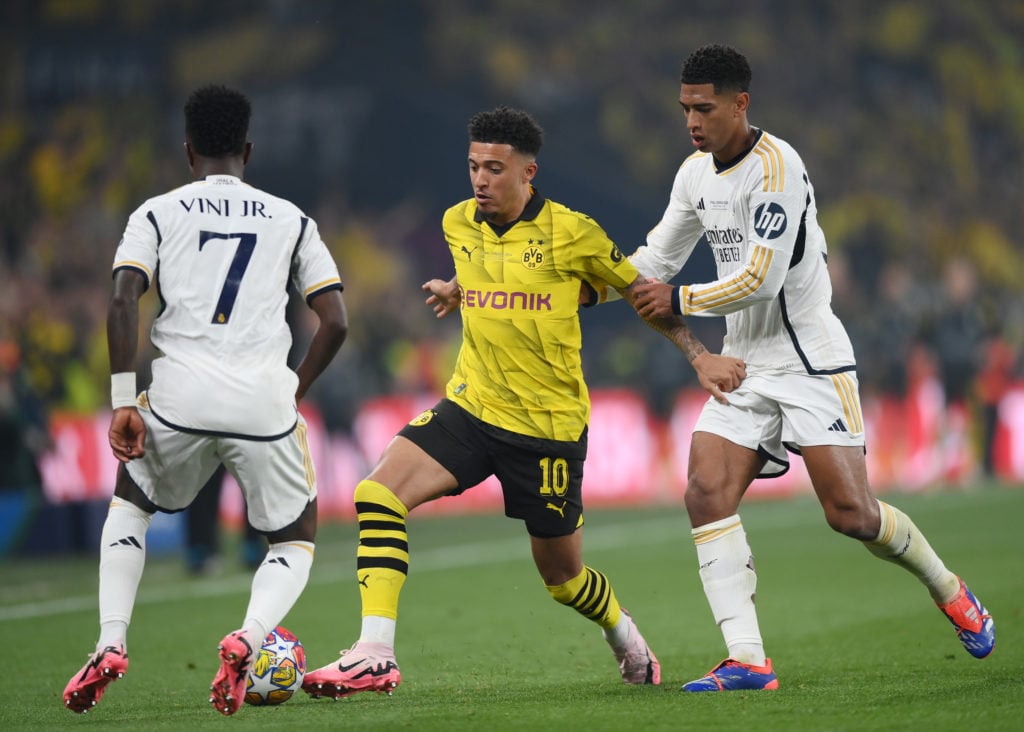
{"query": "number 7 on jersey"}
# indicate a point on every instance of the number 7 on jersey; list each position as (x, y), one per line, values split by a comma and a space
(228, 293)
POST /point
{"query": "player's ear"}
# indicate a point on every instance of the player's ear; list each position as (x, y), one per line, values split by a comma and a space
(246, 153)
(190, 155)
(742, 101)
(530, 170)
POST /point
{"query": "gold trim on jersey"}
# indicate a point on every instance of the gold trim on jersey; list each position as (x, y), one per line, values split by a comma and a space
(321, 285)
(846, 388)
(307, 458)
(746, 281)
(771, 160)
(136, 265)
(693, 156)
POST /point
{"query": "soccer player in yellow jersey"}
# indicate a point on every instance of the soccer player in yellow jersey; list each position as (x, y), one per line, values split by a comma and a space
(747, 194)
(516, 406)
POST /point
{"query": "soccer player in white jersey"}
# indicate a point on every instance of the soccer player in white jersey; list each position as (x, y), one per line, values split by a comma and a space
(746, 192)
(222, 255)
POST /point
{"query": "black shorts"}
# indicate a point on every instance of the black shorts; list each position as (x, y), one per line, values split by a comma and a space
(541, 480)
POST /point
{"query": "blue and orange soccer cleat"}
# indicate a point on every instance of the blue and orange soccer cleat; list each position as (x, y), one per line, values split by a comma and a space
(87, 686)
(363, 667)
(974, 626)
(731, 675)
(227, 692)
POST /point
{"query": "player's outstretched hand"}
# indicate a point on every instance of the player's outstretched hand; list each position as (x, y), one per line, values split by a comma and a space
(444, 296)
(127, 434)
(719, 374)
(653, 299)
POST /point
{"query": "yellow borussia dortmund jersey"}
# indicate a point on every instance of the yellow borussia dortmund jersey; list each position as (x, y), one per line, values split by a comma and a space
(519, 367)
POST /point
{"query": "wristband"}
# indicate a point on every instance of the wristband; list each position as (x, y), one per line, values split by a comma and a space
(677, 306)
(122, 389)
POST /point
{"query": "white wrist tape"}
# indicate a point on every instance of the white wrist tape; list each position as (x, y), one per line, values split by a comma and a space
(122, 389)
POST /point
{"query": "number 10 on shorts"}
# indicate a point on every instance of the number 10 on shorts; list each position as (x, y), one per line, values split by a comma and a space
(554, 476)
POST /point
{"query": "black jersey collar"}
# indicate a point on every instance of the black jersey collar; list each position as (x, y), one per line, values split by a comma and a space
(533, 207)
(721, 167)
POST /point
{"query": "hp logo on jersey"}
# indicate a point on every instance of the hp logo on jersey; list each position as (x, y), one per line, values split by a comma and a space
(769, 220)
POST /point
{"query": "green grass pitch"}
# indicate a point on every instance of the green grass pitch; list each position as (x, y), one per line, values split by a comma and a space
(856, 642)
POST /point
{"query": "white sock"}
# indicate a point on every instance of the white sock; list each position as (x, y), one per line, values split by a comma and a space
(619, 633)
(378, 629)
(122, 559)
(899, 541)
(276, 586)
(727, 571)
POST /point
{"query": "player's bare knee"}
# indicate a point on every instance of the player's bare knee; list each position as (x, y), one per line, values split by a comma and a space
(698, 490)
(851, 520)
(707, 500)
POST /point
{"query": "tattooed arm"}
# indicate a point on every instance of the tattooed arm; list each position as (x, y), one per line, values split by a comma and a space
(717, 374)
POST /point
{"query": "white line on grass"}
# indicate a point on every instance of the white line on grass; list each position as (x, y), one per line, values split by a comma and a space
(655, 531)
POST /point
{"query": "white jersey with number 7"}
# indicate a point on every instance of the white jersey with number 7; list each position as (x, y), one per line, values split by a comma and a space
(222, 254)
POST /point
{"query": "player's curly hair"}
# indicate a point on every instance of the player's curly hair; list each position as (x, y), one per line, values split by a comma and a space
(217, 121)
(723, 66)
(507, 126)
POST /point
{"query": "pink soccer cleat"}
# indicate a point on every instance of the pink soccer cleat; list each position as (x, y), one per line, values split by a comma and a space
(227, 692)
(637, 663)
(363, 667)
(86, 687)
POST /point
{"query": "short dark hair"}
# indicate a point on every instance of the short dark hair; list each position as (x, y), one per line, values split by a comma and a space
(723, 66)
(217, 121)
(507, 126)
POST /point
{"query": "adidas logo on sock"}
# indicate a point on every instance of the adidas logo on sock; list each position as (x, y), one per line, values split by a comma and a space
(127, 541)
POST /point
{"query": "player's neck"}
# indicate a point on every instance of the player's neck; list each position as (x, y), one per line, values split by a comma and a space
(738, 146)
(203, 167)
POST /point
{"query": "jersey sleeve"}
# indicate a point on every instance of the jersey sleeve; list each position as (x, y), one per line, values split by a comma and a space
(672, 240)
(776, 199)
(139, 244)
(313, 268)
(598, 260)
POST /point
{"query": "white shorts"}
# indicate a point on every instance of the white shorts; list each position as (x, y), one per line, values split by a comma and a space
(276, 476)
(778, 410)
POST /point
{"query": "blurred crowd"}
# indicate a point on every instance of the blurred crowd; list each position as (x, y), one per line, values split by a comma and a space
(910, 118)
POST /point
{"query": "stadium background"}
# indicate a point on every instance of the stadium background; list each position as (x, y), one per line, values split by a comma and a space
(909, 116)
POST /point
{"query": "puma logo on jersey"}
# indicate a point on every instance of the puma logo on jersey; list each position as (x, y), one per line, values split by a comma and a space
(469, 252)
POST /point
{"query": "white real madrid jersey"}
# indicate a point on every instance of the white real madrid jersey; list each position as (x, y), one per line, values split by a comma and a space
(221, 254)
(759, 217)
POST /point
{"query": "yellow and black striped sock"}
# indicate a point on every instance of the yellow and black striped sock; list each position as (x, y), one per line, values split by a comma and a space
(382, 560)
(591, 595)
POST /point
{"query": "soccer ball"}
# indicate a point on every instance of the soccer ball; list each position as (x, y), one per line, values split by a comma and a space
(278, 669)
